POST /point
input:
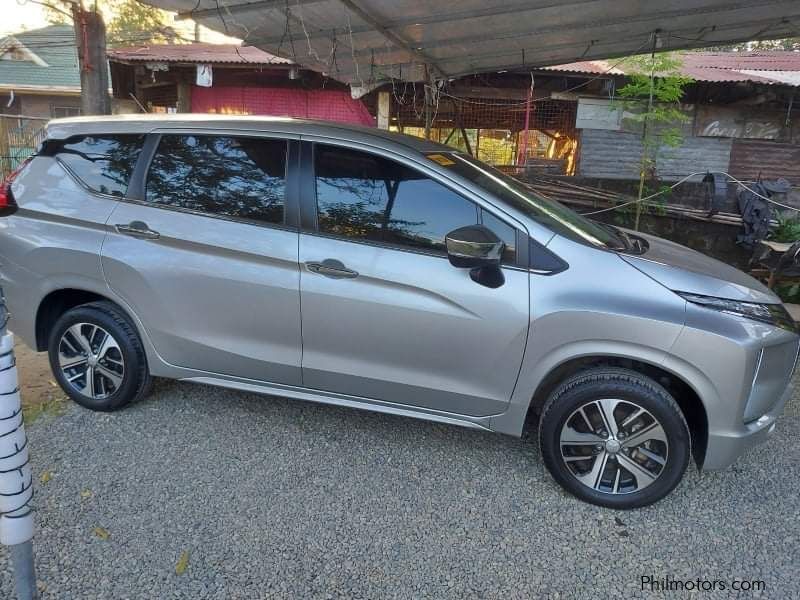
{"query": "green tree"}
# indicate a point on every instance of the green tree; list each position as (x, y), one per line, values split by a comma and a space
(57, 13)
(133, 22)
(129, 22)
(651, 100)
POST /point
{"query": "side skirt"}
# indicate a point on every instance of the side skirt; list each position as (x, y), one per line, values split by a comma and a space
(299, 393)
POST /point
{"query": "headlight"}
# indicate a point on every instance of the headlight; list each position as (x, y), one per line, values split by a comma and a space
(774, 314)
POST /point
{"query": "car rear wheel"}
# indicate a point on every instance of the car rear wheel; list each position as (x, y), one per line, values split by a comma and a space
(614, 437)
(97, 357)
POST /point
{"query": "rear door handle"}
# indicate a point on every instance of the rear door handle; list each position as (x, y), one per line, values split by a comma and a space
(330, 267)
(137, 229)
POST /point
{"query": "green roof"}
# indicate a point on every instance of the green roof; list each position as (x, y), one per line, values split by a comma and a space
(47, 58)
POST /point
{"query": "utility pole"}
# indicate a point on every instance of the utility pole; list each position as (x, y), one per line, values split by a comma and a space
(90, 39)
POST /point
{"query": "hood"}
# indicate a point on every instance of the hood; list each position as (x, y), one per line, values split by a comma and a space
(684, 270)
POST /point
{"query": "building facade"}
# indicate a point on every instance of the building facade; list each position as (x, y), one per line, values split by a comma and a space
(39, 73)
(228, 79)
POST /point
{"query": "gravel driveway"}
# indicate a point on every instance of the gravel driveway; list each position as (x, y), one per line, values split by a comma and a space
(200, 492)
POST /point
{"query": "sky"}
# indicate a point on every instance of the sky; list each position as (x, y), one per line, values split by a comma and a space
(26, 15)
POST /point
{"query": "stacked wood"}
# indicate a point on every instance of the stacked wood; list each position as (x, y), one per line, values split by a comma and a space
(591, 199)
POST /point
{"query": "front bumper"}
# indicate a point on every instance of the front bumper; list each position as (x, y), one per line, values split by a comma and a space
(722, 450)
(742, 372)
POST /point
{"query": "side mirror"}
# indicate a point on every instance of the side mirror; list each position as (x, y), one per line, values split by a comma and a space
(477, 248)
(473, 246)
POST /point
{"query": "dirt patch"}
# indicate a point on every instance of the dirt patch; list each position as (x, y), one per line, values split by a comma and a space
(39, 391)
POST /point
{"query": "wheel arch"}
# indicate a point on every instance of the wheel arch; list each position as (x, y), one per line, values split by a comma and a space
(58, 301)
(685, 394)
(55, 304)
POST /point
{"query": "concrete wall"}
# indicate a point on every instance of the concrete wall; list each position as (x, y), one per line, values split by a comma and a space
(35, 105)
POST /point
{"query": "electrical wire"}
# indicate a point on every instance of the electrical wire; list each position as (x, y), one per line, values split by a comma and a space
(567, 91)
(69, 41)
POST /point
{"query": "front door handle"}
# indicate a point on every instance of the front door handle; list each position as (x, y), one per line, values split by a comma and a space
(137, 229)
(330, 267)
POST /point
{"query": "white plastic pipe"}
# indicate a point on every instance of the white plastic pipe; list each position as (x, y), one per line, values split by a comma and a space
(16, 478)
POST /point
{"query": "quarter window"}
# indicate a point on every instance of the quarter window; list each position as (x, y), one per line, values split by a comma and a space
(103, 163)
(368, 197)
(238, 177)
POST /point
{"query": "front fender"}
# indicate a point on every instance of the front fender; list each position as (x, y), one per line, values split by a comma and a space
(534, 373)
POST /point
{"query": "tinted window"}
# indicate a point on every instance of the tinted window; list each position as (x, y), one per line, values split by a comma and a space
(551, 214)
(504, 231)
(237, 177)
(368, 197)
(104, 163)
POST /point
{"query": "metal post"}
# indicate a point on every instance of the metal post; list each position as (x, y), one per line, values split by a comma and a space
(522, 159)
(16, 478)
(428, 103)
(24, 572)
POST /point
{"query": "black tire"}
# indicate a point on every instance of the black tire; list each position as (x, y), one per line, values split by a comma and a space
(135, 379)
(631, 388)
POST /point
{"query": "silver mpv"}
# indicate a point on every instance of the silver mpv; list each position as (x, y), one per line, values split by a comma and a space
(360, 268)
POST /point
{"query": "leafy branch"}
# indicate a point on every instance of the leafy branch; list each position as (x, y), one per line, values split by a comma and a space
(651, 103)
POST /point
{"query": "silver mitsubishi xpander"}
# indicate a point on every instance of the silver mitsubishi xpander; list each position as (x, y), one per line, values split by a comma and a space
(360, 268)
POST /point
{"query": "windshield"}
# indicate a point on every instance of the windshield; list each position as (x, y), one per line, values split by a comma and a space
(551, 214)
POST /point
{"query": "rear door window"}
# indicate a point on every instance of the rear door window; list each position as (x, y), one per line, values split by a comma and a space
(238, 177)
(104, 163)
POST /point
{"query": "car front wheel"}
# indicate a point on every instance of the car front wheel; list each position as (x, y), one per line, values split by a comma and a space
(614, 437)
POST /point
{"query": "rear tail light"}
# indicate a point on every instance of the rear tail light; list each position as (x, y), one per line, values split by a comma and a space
(7, 202)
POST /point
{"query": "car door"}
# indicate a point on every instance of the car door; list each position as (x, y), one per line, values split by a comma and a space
(385, 315)
(206, 253)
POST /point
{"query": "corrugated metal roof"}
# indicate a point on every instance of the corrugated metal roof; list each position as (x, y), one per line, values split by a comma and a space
(772, 67)
(57, 68)
(196, 54)
(368, 41)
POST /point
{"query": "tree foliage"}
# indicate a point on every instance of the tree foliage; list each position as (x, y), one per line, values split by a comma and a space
(136, 23)
(660, 76)
(651, 101)
(129, 22)
(57, 12)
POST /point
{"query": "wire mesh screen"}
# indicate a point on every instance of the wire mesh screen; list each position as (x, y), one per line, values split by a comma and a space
(19, 138)
(515, 135)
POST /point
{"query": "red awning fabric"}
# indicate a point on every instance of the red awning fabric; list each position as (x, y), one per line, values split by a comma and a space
(326, 105)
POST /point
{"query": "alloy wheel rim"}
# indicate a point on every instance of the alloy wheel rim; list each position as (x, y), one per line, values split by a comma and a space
(91, 360)
(614, 446)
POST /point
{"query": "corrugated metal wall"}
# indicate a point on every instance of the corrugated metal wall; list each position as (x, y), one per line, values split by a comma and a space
(770, 160)
(618, 154)
(609, 154)
(695, 155)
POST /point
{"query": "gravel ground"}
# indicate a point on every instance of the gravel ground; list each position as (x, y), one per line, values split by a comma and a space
(253, 497)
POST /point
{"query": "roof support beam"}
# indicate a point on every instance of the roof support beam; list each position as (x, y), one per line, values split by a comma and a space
(644, 19)
(463, 15)
(392, 37)
(511, 8)
(226, 9)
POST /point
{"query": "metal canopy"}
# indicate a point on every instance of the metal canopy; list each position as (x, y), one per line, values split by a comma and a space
(364, 42)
